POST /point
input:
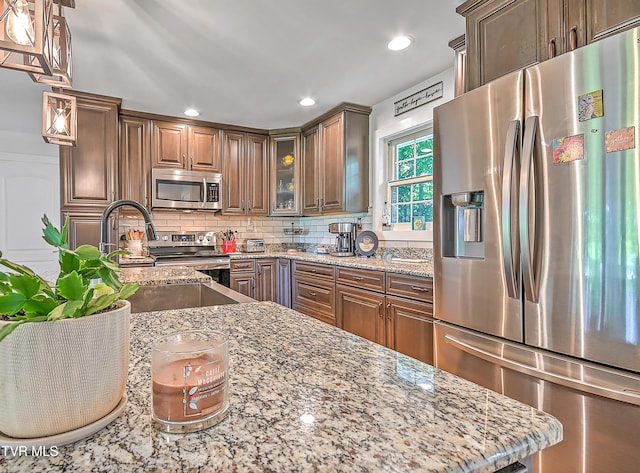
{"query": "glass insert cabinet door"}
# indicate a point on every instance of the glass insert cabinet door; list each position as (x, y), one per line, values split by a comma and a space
(285, 174)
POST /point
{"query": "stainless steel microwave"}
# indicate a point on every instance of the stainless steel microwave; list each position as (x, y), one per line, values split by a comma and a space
(181, 189)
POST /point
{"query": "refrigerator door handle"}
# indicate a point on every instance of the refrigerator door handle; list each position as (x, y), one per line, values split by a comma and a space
(628, 396)
(508, 257)
(525, 202)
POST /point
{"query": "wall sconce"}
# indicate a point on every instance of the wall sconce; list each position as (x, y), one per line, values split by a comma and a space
(59, 121)
(26, 35)
(61, 74)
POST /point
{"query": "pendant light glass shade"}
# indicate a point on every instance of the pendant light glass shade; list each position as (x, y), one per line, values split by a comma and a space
(61, 66)
(59, 120)
(26, 35)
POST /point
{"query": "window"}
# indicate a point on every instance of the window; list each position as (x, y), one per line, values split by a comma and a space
(411, 180)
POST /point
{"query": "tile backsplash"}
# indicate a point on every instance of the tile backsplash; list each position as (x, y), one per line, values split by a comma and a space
(314, 230)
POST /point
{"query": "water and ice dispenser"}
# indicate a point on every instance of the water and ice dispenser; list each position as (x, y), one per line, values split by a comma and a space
(462, 224)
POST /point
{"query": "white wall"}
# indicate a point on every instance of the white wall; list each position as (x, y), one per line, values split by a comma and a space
(382, 126)
(29, 189)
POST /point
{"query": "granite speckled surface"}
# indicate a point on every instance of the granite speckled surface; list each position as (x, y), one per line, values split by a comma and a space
(424, 268)
(155, 276)
(374, 409)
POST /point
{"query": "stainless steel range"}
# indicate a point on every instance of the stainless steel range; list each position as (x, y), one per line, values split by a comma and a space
(192, 249)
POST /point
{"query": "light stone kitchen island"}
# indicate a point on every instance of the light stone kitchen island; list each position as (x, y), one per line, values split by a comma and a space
(372, 409)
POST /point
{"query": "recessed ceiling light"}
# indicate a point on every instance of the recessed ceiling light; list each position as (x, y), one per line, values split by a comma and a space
(191, 112)
(399, 42)
(307, 102)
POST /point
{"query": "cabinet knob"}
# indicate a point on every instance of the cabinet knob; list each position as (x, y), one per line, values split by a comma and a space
(388, 305)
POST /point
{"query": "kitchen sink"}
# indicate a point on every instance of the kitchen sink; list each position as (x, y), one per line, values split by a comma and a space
(181, 296)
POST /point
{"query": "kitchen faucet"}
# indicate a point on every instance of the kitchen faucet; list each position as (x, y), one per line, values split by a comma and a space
(104, 231)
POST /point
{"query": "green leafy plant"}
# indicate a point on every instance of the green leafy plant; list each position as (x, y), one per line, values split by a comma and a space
(88, 282)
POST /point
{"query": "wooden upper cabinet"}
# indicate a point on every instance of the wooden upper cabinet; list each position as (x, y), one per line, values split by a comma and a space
(245, 174)
(505, 35)
(169, 145)
(607, 17)
(502, 36)
(89, 170)
(134, 162)
(203, 146)
(233, 153)
(332, 168)
(257, 170)
(309, 171)
(177, 145)
(335, 162)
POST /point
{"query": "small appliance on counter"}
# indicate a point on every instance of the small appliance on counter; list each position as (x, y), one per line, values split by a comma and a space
(346, 239)
(256, 246)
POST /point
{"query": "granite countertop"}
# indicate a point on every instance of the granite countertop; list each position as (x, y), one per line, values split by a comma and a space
(423, 268)
(373, 409)
(155, 276)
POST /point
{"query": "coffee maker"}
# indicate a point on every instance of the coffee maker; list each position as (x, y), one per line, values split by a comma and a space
(346, 239)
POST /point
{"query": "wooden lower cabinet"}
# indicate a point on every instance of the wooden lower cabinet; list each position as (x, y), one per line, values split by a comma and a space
(266, 280)
(284, 282)
(84, 229)
(361, 312)
(410, 328)
(243, 277)
(314, 297)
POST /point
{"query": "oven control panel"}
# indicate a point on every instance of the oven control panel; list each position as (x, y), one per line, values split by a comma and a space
(183, 239)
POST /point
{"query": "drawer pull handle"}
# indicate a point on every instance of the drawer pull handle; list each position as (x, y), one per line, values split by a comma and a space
(419, 289)
(313, 294)
(358, 278)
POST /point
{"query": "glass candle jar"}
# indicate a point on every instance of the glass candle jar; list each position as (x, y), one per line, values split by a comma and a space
(189, 373)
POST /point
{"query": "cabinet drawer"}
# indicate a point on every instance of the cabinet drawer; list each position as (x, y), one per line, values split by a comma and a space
(414, 287)
(241, 265)
(315, 298)
(316, 270)
(362, 278)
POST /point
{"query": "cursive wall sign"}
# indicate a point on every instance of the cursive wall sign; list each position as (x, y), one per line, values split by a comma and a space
(419, 98)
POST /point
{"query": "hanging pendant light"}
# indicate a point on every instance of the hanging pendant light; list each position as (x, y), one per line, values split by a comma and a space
(26, 35)
(59, 120)
(61, 56)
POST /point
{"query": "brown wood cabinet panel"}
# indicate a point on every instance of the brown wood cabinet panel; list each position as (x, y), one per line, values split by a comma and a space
(503, 36)
(169, 148)
(134, 161)
(257, 171)
(233, 176)
(607, 17)
(310, 166)
(410, 328)
(318, 270)
(314, 297)
(84, 229)
(362, 278)
(89, 170)
(413, 287)
(284, 282)
(266, 280)
(361, 312)
(242, 265)
(203, 145)
(332, 163)
(244, 283)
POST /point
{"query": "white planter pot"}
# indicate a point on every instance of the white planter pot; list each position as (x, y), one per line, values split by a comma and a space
(59, 376)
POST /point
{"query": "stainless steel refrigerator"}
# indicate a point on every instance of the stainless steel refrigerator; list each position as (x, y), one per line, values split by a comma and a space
(536, 246)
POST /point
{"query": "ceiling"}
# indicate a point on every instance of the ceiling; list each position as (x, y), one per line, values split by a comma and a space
(249, 62)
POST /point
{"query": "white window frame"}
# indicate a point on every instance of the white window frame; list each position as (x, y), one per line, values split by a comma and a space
(389, 156)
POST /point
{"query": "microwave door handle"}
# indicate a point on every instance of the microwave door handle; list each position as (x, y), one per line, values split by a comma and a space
(509, 260)
(204, 192)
